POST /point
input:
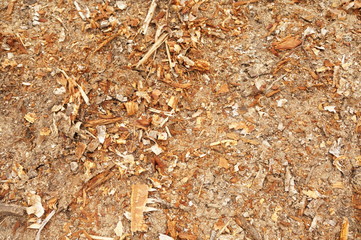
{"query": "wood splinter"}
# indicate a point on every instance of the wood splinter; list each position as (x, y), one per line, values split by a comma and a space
(252, 232)
(155, 46)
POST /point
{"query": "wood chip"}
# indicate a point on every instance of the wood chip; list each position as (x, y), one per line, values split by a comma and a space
(287, 43)
(312, 194)
(84, 14)
(10, 9)
(79, 150)
(344, 229)
(95, 237)
(270, 94)
(223, 163)
(241, 3)
(250, 141)
(45, 131)
(119, 229)
(177, 85)
(30, 117)
(96, 122)
(223, 89)
(138, 200)
(172, 102)
(201, 65)
(132, 108)
(227, 142)
(246, 128)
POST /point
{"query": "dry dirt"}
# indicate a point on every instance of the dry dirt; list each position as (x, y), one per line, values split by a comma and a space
(243, 123)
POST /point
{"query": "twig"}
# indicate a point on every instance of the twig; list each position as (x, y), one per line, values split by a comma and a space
(168, 55)
(167, 129)
(158, 33)
(82, 92)
(11, 210)
(310, 174)
(46, 220)
(253, 233)
(10, 9)
(61, 22)
(102, 121)
(106, 41)
(224, 227)
(155, 46)
(92, 183)
(213, 235)
(273, 83)
(100, 237)
(168, 7)
(200, 189)
(148, 18)
(170, 114)
(21, 40)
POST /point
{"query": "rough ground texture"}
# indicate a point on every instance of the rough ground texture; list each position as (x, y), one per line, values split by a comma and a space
(244, 122)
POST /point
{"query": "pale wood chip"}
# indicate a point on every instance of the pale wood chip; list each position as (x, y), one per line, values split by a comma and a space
(344, 229)
(132, 108)
(148, 18)
(138, 200)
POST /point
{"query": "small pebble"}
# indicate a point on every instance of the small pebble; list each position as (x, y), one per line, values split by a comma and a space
(59, 91)
(122, 5)
(74, 166)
